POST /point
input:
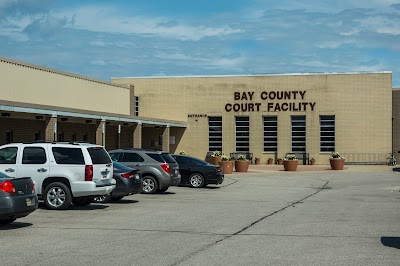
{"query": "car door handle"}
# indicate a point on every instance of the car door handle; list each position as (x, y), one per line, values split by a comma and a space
(138, 164)
(42, 170)
(9, 170)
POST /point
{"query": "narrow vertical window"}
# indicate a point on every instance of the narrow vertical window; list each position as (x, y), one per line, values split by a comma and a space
(299, 133)
(73, 136)
(215, 133)
(270, 133)
(9, 137)
(327, 133)
(136, 104)
(85, 137)
(242, 133)
(37, 136)
(60, 137)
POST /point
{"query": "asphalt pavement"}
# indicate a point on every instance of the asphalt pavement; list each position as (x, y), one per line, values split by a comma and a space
(265, 217)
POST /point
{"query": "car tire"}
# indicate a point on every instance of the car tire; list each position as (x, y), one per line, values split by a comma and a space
(196, 180)
(117, 198)
(57, 196)
(150, 185)
(102, 199)
(7, 221)
(161, 190)
(81, 201)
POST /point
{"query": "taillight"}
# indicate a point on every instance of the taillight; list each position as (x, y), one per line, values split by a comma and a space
(166, 168)
(7, 186)
(88, 172)
(33, 187)
(127, 175)
(217, 170)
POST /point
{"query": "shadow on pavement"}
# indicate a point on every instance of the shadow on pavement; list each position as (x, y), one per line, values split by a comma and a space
(14, 225)
(390, 241)
(90, 207)
(123, 201)
(396, 169)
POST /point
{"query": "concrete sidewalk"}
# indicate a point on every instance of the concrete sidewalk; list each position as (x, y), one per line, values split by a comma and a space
(265, 168)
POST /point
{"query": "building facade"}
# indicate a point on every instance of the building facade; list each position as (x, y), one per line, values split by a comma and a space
(42, 104)
(265, 115)
(272, 115)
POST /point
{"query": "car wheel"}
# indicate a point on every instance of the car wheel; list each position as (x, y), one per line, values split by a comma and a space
(117, 198)
(196, 180)
(150, 185)
(81, 201)
(7, 221)
(57, 196)
(161, 190)
(102, 199)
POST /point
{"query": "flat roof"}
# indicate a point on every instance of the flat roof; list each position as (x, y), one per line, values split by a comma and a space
(55, 71)
(257, 75)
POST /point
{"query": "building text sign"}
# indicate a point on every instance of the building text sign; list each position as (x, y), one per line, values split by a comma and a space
(270, 101)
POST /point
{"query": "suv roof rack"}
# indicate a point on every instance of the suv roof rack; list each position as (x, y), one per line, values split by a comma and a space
(58, 142)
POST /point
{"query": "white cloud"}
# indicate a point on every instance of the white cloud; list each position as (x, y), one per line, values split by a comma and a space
(381, 24)
(99, 62)
(87, 18)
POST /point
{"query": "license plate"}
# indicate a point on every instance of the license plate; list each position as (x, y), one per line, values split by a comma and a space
(30, 202)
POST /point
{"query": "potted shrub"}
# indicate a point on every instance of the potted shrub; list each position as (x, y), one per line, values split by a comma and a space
(257, 161)
(337, 161)
(312, 161)
(270, 160)
(242, 164)
(226, 164)
(216, 157)
(290, 162)
(279, 161)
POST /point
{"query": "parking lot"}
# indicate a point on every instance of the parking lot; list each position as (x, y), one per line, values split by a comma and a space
(349, 217)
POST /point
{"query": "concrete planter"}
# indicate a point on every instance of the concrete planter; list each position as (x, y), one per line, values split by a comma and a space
(270, 161)
(242, 166)
(337, 164)
(227, 166)
(290, 165)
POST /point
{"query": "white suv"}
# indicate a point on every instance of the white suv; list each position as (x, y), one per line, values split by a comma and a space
(62, 172)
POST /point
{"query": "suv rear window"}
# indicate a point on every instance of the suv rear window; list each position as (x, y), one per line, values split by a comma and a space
(99, 155)
(156, 157)
(168, 158)
(68, 156)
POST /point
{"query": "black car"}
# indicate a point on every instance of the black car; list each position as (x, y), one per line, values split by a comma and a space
(129, 181)
(17, 198)
(198, 173)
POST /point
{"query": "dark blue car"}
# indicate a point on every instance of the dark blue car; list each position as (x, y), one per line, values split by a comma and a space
(128, 182)
(198, 173)
(17, 198)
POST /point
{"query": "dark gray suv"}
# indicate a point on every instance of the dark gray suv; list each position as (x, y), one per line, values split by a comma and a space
(159, 170)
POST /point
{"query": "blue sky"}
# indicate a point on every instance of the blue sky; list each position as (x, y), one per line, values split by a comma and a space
(104, 39)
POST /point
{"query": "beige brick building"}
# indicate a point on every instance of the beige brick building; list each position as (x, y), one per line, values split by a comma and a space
(271, 115)
(38, 103)
(266, 115)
